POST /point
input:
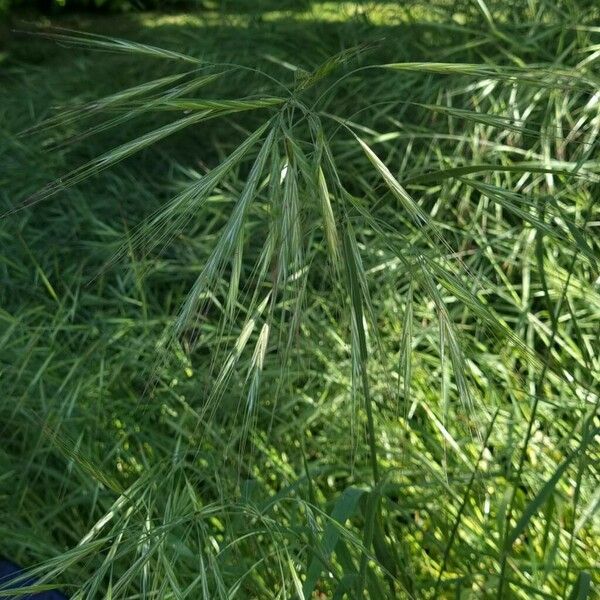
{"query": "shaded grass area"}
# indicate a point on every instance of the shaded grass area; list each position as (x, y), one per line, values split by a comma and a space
(133, 471)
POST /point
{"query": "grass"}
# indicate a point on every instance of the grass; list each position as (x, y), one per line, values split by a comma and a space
(307, 306)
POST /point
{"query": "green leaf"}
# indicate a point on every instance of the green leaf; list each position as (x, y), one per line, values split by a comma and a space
(547, 489)
(581, 589)
(344, 508)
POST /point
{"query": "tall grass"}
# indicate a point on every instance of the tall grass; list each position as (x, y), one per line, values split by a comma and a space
(308, 308)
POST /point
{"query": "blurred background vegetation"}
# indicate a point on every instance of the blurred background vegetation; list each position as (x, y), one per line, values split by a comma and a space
(57, 6)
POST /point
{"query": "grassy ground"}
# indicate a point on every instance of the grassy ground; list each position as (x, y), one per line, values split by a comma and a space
(359, 358)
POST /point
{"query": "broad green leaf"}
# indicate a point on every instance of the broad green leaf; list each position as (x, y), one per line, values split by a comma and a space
(581, 589)
(344, 509)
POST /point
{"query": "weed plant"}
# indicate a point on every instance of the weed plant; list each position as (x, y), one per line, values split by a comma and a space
(303, 303)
